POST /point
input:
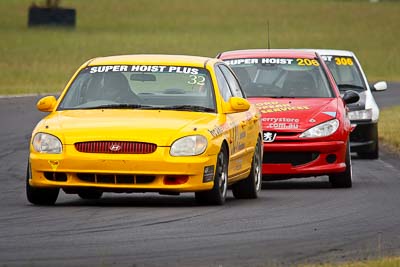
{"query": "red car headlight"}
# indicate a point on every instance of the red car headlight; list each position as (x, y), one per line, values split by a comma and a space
(321, 130)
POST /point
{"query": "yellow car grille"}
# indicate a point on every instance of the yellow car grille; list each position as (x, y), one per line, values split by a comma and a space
(116, 147)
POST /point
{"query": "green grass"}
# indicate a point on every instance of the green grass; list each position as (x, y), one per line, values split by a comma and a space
(389, 127)
(385, 262)
(43, 59)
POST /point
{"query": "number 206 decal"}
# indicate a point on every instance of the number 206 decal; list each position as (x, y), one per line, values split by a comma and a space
(307, 62)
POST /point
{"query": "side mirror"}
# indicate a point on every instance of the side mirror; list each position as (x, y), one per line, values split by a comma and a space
(46, 104)
(350, 97)
(237, 104)
(379, 86)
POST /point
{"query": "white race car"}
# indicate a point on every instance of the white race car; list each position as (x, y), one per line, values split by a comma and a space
(348, 74)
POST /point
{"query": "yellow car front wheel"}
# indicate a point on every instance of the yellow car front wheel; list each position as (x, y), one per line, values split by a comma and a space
(217, 195)
(40, 196)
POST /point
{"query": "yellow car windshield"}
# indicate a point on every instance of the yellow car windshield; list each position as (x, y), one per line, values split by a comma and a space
(141, 86)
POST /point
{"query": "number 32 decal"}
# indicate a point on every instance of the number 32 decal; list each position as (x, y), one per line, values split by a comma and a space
(196, 79)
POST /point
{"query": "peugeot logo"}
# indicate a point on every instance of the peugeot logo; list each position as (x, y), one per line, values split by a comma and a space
(115, 147)
(269, 137)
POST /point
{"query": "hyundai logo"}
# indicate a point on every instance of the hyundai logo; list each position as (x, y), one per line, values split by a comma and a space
(115, 147)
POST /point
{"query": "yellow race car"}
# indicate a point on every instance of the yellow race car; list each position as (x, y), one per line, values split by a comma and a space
(147, 123)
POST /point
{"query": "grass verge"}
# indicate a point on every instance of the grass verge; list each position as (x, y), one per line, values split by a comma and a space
(43, 59)
(389, 128)
(384, 262)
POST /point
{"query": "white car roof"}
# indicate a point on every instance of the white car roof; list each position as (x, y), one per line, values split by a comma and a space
(333, 52)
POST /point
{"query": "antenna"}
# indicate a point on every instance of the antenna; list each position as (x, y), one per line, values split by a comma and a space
(269, 44)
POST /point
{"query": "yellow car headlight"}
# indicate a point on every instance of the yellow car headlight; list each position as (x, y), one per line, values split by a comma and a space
(189, 146)
(47, 143)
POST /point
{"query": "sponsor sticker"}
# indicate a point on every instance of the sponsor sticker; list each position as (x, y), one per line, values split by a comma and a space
(281, 123)
(282, 61)
(249, 61)
(273, 106)
(54, 164)
(144, 68)
(217, 130)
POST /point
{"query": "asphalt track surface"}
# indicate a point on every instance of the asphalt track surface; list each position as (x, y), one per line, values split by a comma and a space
(294, 221)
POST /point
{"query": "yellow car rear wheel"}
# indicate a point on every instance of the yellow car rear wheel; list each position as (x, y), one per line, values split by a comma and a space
(251, 186)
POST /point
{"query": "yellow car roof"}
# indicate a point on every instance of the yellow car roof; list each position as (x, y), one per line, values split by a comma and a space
(179, 60)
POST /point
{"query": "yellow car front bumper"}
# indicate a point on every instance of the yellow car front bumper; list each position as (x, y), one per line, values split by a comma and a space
(157, 171)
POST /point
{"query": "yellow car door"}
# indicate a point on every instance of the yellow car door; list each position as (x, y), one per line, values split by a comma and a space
(239, 122)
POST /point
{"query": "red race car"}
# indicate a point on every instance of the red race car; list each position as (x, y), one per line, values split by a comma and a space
(305, 124)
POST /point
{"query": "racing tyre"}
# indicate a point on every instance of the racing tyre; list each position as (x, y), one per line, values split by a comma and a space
(90, 194)
(40, 196)
(217, 195)
(343, 179)
(251, 186)
(374, 154)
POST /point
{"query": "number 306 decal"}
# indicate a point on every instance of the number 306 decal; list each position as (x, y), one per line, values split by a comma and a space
(343, 61)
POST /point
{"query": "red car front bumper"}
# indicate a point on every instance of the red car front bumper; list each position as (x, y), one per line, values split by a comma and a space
(284, 160)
